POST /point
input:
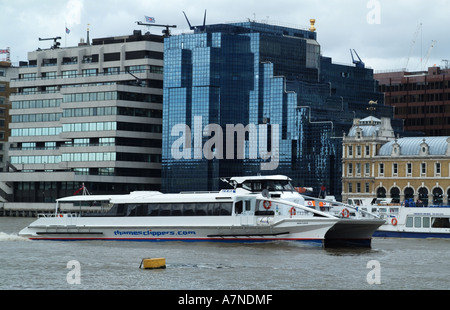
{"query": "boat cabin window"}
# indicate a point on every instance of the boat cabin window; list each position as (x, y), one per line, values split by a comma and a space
(393, 210)
(242, 206)
(248, 205)
(415, 222)
(425, 222)
(271, 185)
(409, 221)
(440, 222)
(172, 209)
(418, 222)
(238, 207)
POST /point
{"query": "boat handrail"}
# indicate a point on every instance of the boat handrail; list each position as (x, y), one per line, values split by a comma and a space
(357, 208)
(200, 192)
(51, 215)
(297, 206)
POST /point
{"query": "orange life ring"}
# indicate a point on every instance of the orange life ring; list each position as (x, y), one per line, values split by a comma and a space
(267, 204)
(394, 222)
(292, 211)
(345, 213)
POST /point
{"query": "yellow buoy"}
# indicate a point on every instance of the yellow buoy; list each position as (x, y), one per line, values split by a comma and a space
(153, 263)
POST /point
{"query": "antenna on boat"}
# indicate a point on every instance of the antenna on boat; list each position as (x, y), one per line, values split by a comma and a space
(225, 180)
(85, 191)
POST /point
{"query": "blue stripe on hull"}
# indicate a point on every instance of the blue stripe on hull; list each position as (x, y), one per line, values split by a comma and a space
(403, 234)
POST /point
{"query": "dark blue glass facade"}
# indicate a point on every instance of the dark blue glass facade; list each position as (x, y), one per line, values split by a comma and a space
(268, 76)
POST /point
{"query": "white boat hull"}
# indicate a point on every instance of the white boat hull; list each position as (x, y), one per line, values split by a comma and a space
(409, 221)
(395, 227)
(192, 229)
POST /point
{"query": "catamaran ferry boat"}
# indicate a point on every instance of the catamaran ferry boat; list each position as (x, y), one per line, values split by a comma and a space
(234, 215)
(355, 227)
(407, 220)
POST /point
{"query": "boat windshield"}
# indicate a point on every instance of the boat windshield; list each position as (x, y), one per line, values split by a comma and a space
(270, 185)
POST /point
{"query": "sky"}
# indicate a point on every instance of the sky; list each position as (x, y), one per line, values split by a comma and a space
(386, 34)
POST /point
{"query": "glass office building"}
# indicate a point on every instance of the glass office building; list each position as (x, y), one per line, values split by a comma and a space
(270, 80)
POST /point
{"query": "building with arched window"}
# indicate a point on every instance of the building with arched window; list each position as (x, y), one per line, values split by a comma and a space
(378, 164)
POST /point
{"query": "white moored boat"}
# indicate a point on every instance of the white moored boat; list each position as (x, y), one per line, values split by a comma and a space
(407, 220)
(355, 227)
(234, 215)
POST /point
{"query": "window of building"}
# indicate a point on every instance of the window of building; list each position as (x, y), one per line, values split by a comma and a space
(358, 169)
(358, 187)
(89, 72)
(367, 169)
(437, 169)
(409, 169)
(381, 169)
(350, 169)
(358, 150)
(350, 187)
(367, 187)
(394, 169)
(367, 150)
(350, 150)
(423, 168)
(111, 57)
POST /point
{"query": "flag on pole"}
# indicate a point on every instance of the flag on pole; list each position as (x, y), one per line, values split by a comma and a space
(150, 19)
(67, 30)
(79, 190)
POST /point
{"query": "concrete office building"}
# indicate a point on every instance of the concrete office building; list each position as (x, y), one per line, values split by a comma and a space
(90, 114)
(7, 73)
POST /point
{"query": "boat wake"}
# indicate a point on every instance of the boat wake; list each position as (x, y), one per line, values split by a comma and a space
(11, 237)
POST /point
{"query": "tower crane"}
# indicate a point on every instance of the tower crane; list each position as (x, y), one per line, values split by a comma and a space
(358, 63)
(56, 44)
(433, 43)
(419, 28)
(166, 32)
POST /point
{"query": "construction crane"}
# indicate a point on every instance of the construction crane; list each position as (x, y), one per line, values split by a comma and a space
(358, 63)
(433, 43)
(197, 28)
(56, 44)
(419, 28)
(166, 32)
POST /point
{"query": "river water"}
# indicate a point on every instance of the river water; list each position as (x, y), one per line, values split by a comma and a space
(400, 264)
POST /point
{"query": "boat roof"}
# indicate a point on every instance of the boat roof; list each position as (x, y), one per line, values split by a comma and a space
(132, 195)
(158, 197)
(240, 180)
